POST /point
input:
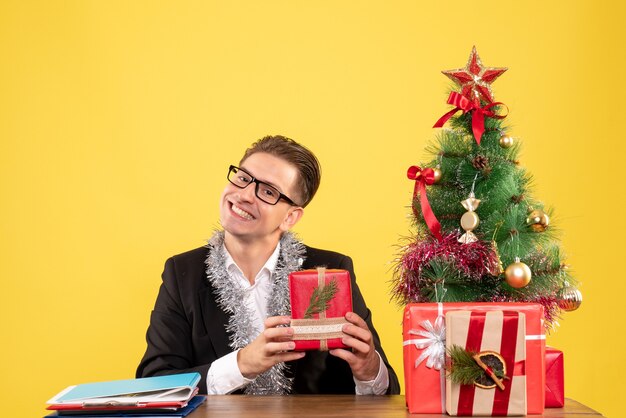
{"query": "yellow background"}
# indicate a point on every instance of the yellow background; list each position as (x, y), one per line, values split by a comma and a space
(118, 120)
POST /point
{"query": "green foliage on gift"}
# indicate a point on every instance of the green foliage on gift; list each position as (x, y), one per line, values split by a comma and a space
(320, 298)
(464, 370)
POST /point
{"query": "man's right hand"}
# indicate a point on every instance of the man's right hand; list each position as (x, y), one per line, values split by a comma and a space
(271, 347)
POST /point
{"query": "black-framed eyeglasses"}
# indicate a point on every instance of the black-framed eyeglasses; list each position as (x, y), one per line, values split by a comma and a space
(269, 194)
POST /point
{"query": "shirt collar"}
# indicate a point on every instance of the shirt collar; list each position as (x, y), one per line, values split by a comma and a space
(269, 266)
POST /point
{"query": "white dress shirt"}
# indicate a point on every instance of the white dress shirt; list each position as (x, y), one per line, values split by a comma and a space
(224, 375)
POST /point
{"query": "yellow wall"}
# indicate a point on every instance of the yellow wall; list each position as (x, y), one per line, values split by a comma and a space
(118, 120)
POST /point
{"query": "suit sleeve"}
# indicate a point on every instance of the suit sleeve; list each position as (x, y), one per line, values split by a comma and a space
(360, 308)
(169, 336)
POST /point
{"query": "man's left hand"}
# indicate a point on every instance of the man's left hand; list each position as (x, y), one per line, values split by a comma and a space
(363, 359)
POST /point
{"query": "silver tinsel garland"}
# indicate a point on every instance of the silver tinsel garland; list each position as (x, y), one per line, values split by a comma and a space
(230, 294)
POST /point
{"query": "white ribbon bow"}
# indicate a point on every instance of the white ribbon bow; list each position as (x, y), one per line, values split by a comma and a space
(433, 343)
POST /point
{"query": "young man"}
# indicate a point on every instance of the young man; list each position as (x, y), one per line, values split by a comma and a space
(223, 310)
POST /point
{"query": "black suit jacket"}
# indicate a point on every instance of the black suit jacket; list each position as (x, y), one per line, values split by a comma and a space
(187, 329)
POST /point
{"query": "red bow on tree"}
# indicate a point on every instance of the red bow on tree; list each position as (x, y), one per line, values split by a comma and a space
(478, 116)
(422, 178)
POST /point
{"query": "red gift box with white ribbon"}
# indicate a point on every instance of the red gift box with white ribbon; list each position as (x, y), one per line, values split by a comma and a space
(424, 350)
(320, 299)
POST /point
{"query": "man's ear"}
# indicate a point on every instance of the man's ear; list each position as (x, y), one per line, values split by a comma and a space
(292, 218)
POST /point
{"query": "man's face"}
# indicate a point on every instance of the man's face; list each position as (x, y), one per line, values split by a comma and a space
(245, 216)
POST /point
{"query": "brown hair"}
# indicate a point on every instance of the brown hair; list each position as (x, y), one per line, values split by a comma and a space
(302, 158)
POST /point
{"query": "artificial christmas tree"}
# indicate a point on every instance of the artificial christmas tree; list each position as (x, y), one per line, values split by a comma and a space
(480, 234)
(481, 241)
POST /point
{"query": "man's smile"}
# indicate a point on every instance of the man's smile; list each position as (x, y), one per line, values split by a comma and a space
(242, 213)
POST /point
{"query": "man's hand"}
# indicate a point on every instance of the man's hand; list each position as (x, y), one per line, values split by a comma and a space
(363, 359)
(269, 348)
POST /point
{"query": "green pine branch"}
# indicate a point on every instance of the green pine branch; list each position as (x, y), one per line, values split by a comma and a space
(320, 299)
(463, 369)
(439, 277)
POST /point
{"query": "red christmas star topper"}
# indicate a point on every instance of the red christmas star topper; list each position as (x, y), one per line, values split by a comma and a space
(475, 80)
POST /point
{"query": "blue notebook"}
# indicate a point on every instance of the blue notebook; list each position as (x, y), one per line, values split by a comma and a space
(170, 388)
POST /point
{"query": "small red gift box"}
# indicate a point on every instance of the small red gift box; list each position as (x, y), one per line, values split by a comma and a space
(555, 393)
(424, 348)
(500, 335)
(320, 300)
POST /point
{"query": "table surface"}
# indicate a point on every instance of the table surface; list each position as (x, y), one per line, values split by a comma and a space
(235, 406)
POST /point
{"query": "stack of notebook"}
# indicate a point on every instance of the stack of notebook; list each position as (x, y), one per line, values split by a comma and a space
(161, 396)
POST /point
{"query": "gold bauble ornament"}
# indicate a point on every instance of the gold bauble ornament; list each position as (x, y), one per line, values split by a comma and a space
(517, 274)
(506, 141)
(569, 298)
(436, 174)
(537, 220)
